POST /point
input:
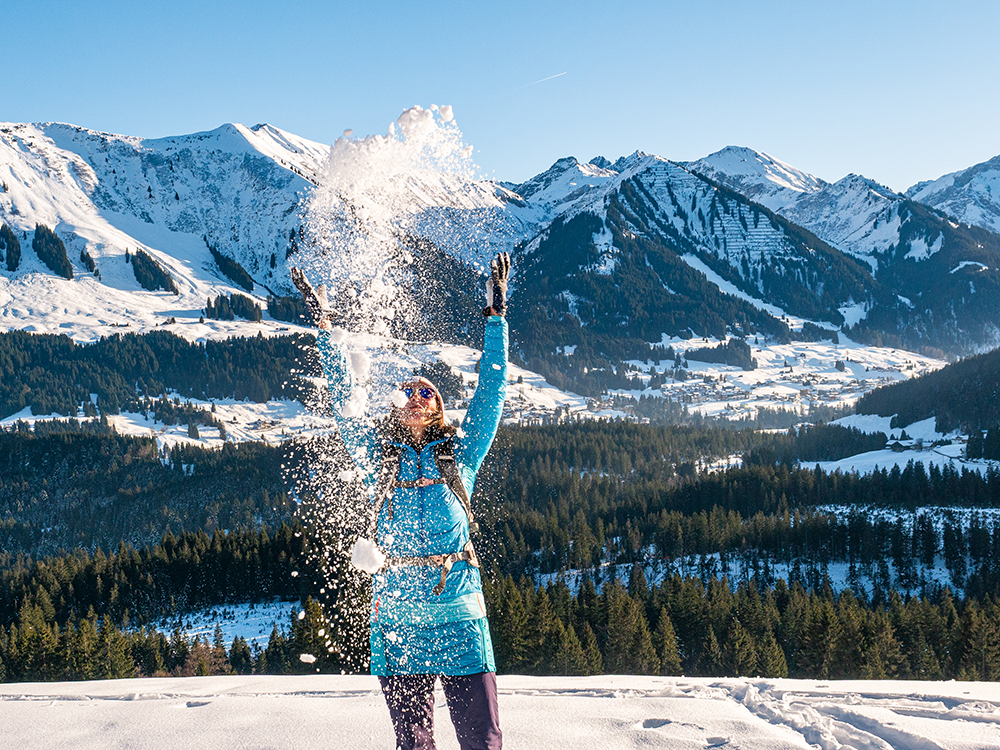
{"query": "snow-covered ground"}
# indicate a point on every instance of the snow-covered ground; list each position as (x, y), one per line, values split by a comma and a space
(603, 712)
(793, 377)
(251, 621)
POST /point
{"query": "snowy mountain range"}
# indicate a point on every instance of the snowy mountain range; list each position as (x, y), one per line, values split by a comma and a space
(971, 195)
(630, 251)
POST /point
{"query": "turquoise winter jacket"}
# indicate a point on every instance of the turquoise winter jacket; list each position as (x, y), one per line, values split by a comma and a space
(412, 630)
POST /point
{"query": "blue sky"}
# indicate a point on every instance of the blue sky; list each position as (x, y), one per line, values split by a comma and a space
(896, 91)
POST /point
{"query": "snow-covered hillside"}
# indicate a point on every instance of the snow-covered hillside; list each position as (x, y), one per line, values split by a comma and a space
(240, 189)
(584, 713)
(759, 176)
(247, 190)
(970, 195)
(856, 215)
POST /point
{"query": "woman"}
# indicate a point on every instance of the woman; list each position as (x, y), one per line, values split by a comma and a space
(428, 618)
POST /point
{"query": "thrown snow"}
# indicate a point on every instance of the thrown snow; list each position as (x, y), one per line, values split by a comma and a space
(366, 556)
(599, 713)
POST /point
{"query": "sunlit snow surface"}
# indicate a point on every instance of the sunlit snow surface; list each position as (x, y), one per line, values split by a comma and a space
(603, 712)
(251, 621)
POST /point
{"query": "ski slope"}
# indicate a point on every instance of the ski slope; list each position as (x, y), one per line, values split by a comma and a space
(602, 712)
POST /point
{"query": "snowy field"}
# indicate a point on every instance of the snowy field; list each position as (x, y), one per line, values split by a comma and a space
(604, 712)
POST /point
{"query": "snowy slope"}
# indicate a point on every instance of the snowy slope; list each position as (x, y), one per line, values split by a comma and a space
(564, 183)
(584, 713)
(855, 215)
(766, 258)
(970, 195)
(759, 176)
(242, 189)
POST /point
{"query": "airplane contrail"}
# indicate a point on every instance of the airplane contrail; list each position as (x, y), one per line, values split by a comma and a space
(544, 80)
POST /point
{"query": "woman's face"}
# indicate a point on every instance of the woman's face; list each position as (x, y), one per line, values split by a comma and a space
(421, 407)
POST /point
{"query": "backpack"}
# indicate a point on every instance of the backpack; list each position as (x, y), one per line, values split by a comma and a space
(444, 456)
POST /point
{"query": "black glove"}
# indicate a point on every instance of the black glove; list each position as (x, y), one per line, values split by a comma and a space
(315, 299)
(496, 285)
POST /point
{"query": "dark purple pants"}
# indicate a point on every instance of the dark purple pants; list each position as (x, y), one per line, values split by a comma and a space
(472, 703)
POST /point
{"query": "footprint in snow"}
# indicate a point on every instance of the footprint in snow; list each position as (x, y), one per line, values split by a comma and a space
(655, 723)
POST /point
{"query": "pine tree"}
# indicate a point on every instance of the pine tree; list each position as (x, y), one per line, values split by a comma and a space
(570, 657)
(980, 659)
(883, 653)
(220, 659)
(309, 634)
(744, 653)
(772, 660)
(81, 649)
(595, 662)
(711, 656)
(821, 637)
(276, 657)
(114, 654)
(666, 645)
(240, 656)
(508, 625)
(541, 635)
(628, 645)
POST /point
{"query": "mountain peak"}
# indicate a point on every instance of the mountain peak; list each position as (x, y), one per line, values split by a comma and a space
(747, 168)
(971, 195)
(563, 177)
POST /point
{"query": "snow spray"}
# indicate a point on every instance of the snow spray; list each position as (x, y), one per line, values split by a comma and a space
(390, 214)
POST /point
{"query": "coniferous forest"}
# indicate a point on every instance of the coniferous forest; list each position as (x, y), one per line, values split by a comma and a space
(606, 546)
(614, 501)
(55, 375)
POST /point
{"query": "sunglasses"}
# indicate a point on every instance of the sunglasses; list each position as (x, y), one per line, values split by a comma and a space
(427, 394)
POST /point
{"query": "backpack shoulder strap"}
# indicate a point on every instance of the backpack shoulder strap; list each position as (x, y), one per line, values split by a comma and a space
(444, 454)
(391, 457)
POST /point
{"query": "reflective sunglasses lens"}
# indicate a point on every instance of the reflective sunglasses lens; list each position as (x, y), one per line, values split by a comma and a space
(408, 392)
(426, 394)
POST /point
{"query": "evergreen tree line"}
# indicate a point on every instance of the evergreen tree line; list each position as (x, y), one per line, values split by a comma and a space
(53, 374)
(234, 306)
(573, 497)
(150, 275)
(569, 496)
(686, 625)
(230, 268)
(10, 245)
(180, 573)
(92, 487)
(705, 628)
(51, 251)
(964, 395)
(35, 648)
(576, 495)
(290, 309)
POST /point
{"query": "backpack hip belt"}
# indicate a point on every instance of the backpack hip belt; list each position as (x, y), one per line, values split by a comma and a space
(445, 562)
